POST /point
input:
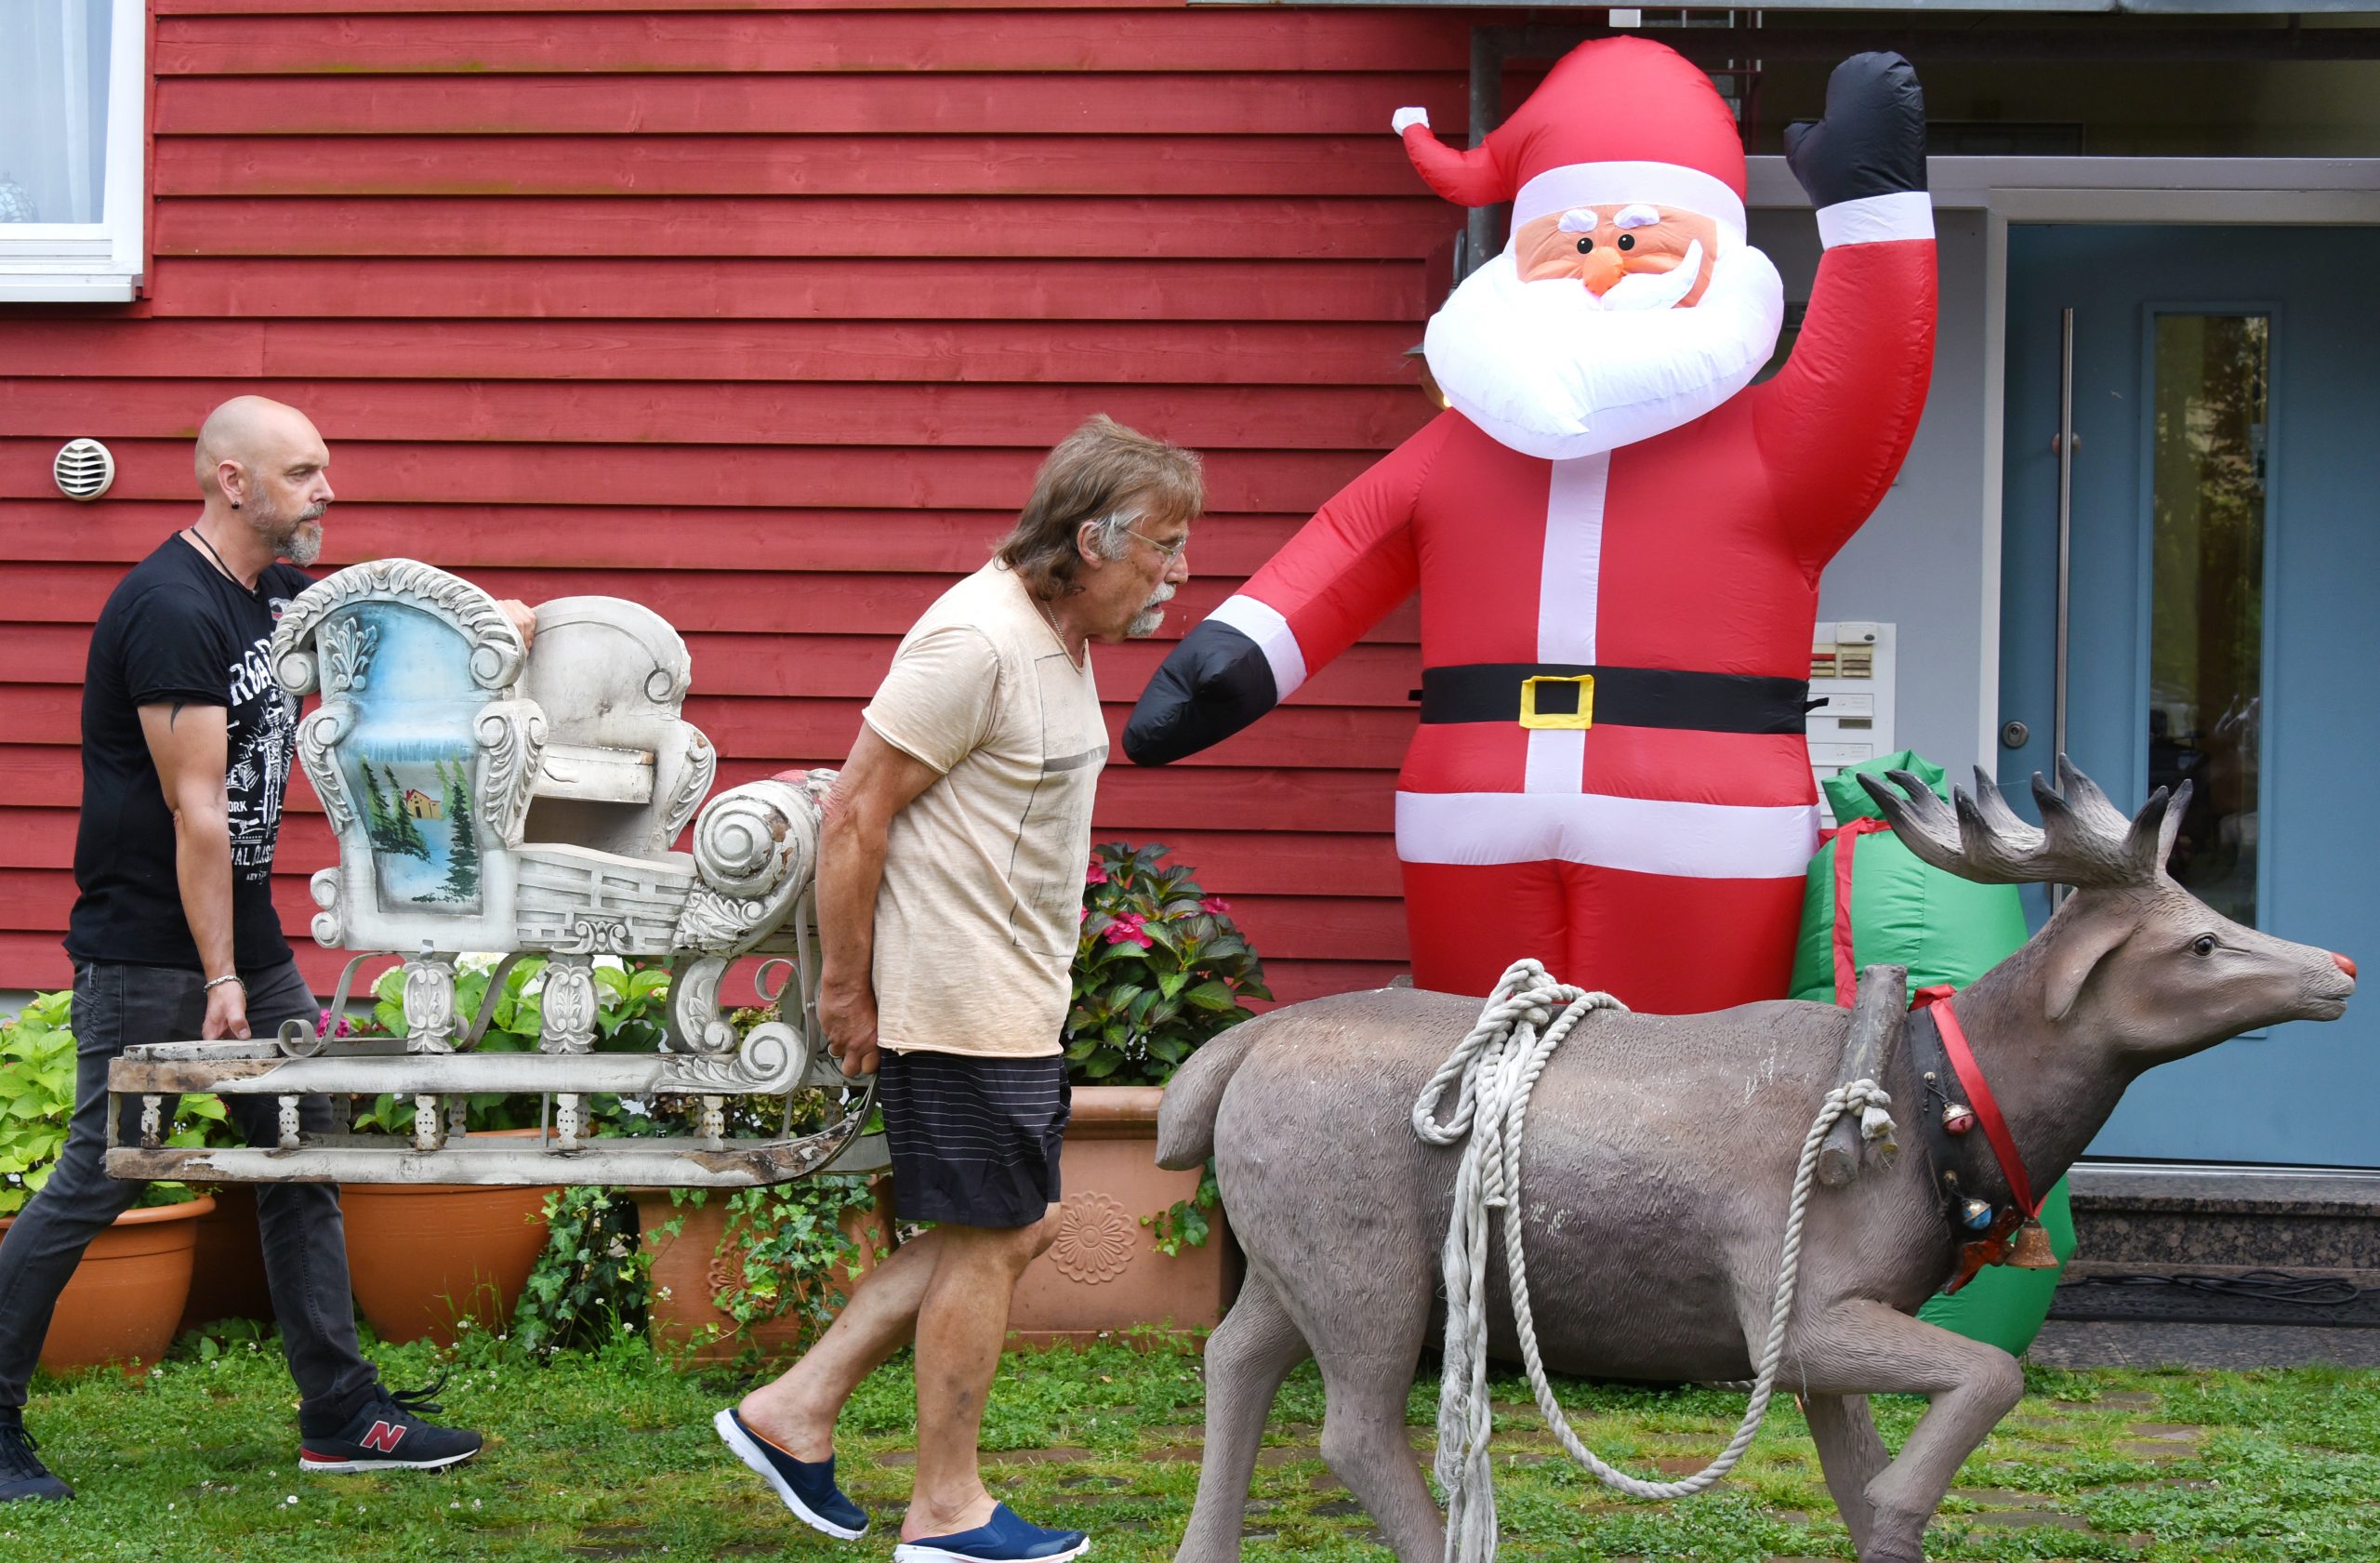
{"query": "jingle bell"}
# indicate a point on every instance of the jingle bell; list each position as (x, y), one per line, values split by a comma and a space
(1957, 1119)
(1974, 1214)
(2032, 1250)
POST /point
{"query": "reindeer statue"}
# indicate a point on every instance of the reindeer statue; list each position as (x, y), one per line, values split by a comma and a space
(1658, 1163)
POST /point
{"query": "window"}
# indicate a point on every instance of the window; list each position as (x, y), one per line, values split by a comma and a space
(72, 83)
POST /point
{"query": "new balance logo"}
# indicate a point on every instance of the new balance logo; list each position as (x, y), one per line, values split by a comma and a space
(385, 1437)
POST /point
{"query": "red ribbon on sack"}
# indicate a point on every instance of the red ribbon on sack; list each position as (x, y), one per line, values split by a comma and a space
(1847, 975)
(1987, 1108)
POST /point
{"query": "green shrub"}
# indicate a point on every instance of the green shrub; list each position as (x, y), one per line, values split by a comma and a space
(37, 1102)
(1160, 967)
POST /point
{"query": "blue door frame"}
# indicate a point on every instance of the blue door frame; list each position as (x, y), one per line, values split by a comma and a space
(2302, 1093)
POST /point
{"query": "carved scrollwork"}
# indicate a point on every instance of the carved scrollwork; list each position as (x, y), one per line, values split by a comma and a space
(345, 648)
(430, 1006)
(566, 1002)
(330, 927)
(694, 785)
(496, 652)
(772, 1058)
(596, 933)
(511, 735)
(696, 1024)
(319, 736)
(754, 847)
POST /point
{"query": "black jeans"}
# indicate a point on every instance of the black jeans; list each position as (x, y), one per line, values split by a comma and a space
(304, 1240)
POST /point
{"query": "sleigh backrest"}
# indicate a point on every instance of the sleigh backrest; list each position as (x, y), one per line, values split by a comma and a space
(422, 752)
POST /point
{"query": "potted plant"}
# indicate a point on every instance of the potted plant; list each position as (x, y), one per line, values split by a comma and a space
(1160, 967)
(760, 1271)
(425, 1258)
(126, 1296)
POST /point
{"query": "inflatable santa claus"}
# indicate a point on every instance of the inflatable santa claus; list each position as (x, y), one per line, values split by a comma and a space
(1617, 544)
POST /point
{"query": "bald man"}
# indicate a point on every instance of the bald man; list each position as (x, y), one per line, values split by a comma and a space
(187, 739)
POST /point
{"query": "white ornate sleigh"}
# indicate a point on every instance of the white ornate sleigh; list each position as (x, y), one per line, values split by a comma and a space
(485, 799)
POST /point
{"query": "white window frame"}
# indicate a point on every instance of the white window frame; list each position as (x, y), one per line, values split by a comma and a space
(96, 262)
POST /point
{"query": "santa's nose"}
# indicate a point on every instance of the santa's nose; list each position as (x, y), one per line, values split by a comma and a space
(1599, 269)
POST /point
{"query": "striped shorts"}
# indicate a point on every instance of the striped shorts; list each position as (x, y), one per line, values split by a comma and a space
(974, 1140)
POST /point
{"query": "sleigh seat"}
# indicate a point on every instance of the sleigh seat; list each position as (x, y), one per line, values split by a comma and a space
(489, 797)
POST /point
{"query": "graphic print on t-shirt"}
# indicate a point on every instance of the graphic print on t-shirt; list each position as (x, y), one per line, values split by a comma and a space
(263, 729)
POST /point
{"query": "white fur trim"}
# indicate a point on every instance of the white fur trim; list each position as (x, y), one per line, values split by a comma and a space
(1874, 219)
(1640, 835)
(1264, 624)
(1623, 184)
(1405, 119)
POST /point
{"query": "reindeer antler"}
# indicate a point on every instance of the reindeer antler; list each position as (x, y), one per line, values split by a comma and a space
(2083, 840)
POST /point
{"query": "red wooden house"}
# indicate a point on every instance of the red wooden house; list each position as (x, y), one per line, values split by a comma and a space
(762, 314)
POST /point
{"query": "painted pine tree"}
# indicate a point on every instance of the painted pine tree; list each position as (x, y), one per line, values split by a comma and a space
(463, 864)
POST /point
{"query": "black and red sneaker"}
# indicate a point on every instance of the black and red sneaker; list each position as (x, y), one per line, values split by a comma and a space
(387, 1434)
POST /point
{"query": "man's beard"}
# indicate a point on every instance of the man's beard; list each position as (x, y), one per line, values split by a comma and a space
(288, 536)
(1548, 370)
(1150, 615)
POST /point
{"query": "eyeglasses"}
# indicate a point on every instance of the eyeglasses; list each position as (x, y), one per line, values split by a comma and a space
(1167, 551)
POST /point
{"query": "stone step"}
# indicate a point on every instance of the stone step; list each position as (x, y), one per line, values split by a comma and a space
(2158, 1218)
(2219, 1294)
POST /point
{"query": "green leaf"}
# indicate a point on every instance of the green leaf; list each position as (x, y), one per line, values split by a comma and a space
(1212, 996)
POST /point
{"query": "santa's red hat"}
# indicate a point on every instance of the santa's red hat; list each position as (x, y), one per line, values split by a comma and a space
(1618, 121)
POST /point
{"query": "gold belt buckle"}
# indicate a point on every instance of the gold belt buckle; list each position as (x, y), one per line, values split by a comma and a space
(1578, 721)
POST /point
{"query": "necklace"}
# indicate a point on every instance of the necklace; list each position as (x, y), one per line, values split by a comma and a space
(200, 538)
(1052, 620)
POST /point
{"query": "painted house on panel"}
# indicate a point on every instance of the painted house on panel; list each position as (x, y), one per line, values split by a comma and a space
(763, 316)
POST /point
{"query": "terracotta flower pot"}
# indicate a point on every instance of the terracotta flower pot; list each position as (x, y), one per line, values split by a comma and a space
(422, 1257)
(227, 1277)
(1103, 1272)
(125, 1297)
(689, 1270)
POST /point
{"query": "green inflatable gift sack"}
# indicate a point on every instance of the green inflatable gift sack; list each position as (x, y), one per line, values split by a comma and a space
(1945, 930)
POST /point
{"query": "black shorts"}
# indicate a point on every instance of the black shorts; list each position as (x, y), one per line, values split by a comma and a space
(974, 1140)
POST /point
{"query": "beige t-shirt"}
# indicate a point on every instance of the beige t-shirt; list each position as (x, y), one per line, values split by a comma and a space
(980, 910)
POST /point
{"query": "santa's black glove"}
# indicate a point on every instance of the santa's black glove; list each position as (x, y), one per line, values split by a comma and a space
(1215, 682)
(1872, 140)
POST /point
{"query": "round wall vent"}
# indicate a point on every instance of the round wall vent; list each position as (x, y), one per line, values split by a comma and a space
(84, 469)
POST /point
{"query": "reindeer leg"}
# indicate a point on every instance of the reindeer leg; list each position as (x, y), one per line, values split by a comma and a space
(1864, 1348)
(1365, 1377)
(1850, 1454)
(1248, 1355)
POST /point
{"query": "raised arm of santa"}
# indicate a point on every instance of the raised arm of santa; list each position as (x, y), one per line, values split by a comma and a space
(1835, 422)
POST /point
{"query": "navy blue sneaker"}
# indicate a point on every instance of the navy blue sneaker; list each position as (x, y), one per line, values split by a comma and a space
(387, 1434)
(807, 1486)
(22, 1476)
(1003, 1539)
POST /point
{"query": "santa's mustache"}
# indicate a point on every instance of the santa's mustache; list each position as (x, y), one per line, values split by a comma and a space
(1654, 290)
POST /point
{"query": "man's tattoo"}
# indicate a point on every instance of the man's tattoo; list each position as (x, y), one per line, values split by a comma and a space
(174, 714)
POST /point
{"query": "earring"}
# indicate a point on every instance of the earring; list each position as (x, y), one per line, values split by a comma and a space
(235, 504)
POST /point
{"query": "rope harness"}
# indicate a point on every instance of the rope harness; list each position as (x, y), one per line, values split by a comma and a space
(1498, 1065)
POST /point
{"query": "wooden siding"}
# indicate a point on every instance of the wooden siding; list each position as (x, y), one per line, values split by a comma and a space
(763, 313)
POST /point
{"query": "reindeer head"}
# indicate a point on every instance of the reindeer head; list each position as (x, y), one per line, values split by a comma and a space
(2132, 957)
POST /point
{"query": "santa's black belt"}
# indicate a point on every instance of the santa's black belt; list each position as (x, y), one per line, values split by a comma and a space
(1566, 694)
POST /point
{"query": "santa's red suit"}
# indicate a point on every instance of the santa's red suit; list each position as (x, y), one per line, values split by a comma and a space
(1611, 772)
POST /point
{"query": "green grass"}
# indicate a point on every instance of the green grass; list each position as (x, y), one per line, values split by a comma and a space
(612, 1456)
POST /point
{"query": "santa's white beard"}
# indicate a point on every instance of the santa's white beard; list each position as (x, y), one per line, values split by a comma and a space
(1545, 368)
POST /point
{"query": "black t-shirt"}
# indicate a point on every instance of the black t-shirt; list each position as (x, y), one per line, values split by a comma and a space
(176, 628)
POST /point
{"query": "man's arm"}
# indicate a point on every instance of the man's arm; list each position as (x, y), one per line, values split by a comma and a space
(192, 747)
(877, 783)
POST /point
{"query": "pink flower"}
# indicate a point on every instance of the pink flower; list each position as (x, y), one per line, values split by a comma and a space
(1126, 929)
(322, 1026)
(1082, 915)
(1215, 904)
(1096, 873)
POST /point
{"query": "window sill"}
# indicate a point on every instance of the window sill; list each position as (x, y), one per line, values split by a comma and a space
(68, 288)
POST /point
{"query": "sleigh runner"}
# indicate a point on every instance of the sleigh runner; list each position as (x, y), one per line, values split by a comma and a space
(485, 800)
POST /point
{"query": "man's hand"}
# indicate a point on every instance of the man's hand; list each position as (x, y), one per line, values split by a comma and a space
(523, 617)
(226, 1013)
(848, 1016)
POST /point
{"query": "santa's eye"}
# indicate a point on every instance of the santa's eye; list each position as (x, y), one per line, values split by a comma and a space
(1627, 240)
(1586, 242)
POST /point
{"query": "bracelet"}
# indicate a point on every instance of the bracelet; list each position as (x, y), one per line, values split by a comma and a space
(214, 982)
